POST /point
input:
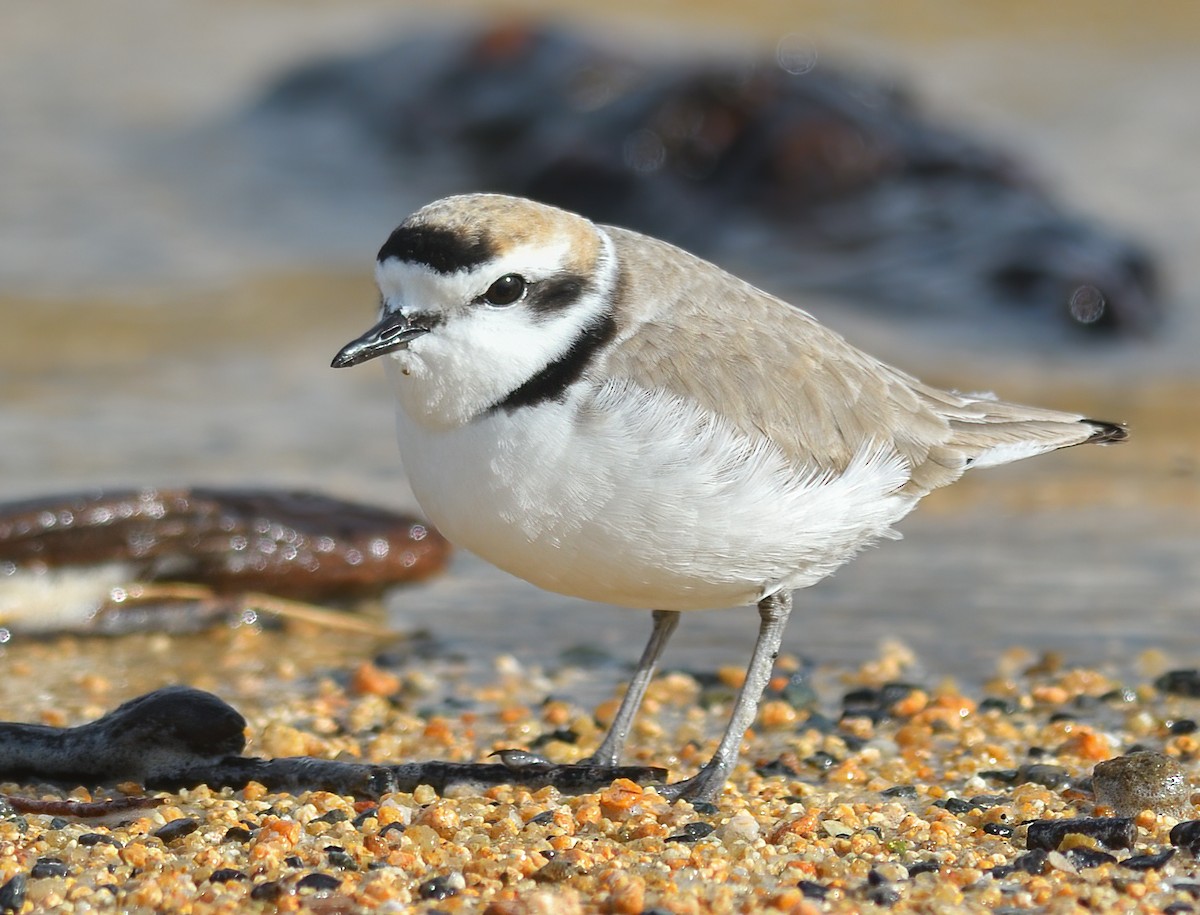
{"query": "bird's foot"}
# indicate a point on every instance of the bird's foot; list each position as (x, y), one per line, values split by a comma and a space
(705, 785)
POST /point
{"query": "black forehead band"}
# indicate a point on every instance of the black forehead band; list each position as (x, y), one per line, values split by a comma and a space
(439, 249)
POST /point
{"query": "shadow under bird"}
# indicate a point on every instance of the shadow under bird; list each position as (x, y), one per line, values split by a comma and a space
(609, 417)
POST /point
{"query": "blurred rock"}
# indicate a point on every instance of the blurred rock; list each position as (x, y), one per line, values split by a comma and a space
(833, 180)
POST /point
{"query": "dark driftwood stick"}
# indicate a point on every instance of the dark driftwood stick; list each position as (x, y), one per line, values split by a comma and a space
(179, 737)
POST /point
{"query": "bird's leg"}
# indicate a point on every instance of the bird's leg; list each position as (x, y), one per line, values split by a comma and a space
(705, 785)
(609, 751)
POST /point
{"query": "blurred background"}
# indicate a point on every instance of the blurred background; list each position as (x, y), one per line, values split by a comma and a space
(995, 196)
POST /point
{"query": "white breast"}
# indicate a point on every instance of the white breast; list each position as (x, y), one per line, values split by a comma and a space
(642, 499)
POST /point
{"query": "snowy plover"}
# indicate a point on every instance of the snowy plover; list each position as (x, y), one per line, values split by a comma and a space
(607, 416)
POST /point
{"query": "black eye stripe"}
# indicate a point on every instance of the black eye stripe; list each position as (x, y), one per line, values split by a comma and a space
(556, 293)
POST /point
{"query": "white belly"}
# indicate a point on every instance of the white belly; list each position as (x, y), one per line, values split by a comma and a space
(641, 499)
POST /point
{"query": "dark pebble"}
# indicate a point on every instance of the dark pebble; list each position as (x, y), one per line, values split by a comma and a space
(894, 692)
(545, 818)
(957, 805)
(812, 890)
(57, 823)
(586, 655)
(12, 894)
(226, 875)
(1004, 776)
(716, 695)
(997, 704)
(1062, 716)
(394, 827)
(1183, 726)
(776, 767)
(906, 791)
(853, 744)
(437, 888)
(48, 867)
(339, 857)
(1149, 862)
(799, 692)
(1122, 694)
(884, 895)
(866, 697)
(294, 861)
(691, 832)
(1180, 683)
(1111, 832)
(821, 761)
(705, 808)
(1088, 857)
(998, 829)
(561, 735)
(815, 721)
(923, 867)
(1187, 835)
(1052, 777)
(1177, 908)
(872, 713)
(269, 891)
(1032, 862)
(177, 829)
(88, 839)
(333, 816)
(319, 883)
(1192, 889)
(367, 814)
(239, 834)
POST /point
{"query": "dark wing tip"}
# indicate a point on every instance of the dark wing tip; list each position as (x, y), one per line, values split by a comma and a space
(1105, 432)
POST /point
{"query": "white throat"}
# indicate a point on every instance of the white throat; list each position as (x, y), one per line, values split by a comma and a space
(476, 355)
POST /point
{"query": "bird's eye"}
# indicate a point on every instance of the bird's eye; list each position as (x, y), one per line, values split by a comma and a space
(506, 290)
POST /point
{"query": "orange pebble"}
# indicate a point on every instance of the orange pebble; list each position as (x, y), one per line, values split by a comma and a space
(438, 729)
(369, 680)
(733, 677)
(134, 854)
(616, 799)
(778, 714)
(1087, 744)
(1050, 695)
(514, 714)
(911, 704)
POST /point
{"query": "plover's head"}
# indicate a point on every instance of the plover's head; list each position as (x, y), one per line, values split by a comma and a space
(488, 302)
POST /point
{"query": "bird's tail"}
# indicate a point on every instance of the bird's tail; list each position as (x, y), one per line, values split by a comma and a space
(991, 432)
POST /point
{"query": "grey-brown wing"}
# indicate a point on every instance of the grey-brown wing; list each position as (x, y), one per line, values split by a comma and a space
(772, 370)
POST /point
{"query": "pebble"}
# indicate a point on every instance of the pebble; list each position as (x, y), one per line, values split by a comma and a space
(1111, 832)
(1180, 682)
(1146, 780)
(1187, 835)
(12, 893)
(177, 829)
